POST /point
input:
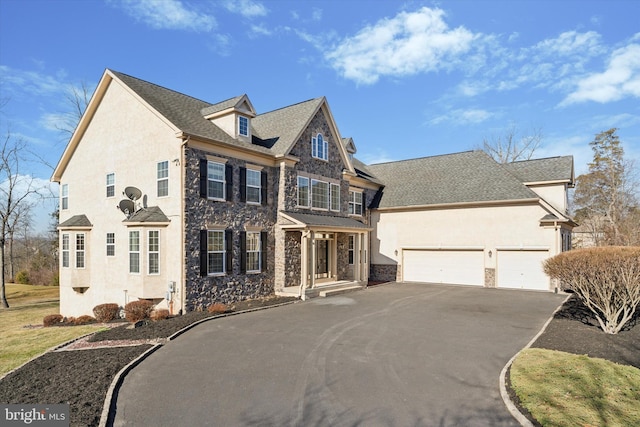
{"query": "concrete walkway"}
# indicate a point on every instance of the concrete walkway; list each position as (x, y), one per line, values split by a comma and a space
(392, 355)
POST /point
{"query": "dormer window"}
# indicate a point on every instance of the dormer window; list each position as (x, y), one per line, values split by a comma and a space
(319, 147)
(243, 126)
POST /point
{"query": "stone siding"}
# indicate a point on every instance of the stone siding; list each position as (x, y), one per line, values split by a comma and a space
(384, 273)
(489, 277)
(201, 213)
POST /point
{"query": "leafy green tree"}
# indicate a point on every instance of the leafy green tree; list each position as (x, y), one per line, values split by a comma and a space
(605, 194)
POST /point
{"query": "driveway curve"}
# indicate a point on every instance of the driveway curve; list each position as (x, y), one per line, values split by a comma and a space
(392, 355)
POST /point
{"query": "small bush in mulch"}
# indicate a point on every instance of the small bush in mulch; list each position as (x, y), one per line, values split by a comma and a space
(106, 312)
(136, 311)
(83, 320)
(218, 308)
(52, 320)
(160, 314)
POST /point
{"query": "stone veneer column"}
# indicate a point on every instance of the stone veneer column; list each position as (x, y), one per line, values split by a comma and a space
(279, 233)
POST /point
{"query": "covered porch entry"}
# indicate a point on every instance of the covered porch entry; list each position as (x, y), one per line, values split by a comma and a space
(332, 258)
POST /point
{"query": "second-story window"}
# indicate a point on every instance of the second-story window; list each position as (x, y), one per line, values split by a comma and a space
(111, 184)
(319, 147)
(253, 186)
(163, 178)
(319, 194)
(355, 203)
(215, 181)
(64, 196)
(243, 126)
(335, 197)
(303, 191)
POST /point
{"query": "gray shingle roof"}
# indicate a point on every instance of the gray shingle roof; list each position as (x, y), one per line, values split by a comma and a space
(185, 112)
(283, 126)
(76, 221)
(221, 106)
(540, 170)
(326, 220)
(149, 214)
(470, 176)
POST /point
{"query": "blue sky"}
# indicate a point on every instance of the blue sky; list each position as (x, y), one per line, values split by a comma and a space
(404, 79)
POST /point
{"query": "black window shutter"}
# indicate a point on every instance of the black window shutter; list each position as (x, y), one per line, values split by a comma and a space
(243, 184)
(203, 177)
(263, 187)
(228, 239)
(203, 253)
(243, 251)
(263, 249)
(364, 203)
(228, 176)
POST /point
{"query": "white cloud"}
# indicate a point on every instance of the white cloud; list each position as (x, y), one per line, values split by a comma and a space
(246, 8)
(168, 15)
(463, 116)
(407, 44)
(621, 79)
(31, 82)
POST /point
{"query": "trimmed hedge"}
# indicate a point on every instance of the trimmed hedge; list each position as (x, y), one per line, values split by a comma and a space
(136, 311)
(106, 312)
(52, 320)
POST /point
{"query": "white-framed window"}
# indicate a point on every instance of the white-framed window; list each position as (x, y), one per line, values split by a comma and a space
(153, 251)
(253, 252)
(335, 197)
(355, 203)
(134, 252)
(243, 126)
(65, 250)
(215, 180)
(303, 191)
(64, 196)
(254, 187)
(352, 247)
(111, 244)
(80, 245)
(163, 178)
(111, 184)
(216, 252)
(319, 194)
(319, 147)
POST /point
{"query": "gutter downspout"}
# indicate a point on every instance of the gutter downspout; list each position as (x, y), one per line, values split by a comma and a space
(183, 215)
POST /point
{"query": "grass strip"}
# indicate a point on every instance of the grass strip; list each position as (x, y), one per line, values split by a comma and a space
(562, 389)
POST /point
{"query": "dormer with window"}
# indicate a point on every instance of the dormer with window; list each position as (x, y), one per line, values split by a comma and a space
(232, 116)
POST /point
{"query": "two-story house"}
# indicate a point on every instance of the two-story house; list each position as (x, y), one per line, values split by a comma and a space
(182, 202)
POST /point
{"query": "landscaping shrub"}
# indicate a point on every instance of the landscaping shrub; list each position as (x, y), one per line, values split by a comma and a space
(159, 314)
(106, 312)
(83, 320)
(22, 277)
(138, 310)
(218, 308)
(52, 320)
(606, 279)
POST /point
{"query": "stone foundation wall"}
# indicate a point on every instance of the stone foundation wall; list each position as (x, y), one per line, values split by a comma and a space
(489, 277)
(384, 272)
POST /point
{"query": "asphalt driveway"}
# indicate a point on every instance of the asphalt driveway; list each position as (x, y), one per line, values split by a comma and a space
(392, 355)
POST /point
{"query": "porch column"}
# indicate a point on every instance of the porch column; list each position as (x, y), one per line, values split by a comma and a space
(356, 258)
(312, 276)
(304, 259)
(365, 257)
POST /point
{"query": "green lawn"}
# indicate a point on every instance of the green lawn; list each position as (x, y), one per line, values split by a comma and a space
(562, 389)
(21, 335)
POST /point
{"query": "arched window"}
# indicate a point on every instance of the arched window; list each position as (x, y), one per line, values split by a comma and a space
(319, 147)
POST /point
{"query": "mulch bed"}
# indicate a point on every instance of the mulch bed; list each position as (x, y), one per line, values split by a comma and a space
(82, 377)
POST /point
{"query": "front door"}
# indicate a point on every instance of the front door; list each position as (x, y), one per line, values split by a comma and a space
(322, 259)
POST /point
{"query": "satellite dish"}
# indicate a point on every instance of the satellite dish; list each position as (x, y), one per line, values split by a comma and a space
(127, 206)
(132, 193)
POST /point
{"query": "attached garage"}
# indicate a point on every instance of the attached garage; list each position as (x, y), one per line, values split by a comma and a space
(522, 269)
(460, 267)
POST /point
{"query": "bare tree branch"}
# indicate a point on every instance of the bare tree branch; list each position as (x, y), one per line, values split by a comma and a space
(511, 145)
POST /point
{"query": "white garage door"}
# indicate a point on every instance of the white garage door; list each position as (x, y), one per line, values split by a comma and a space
(444, 266)
(522, 270)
